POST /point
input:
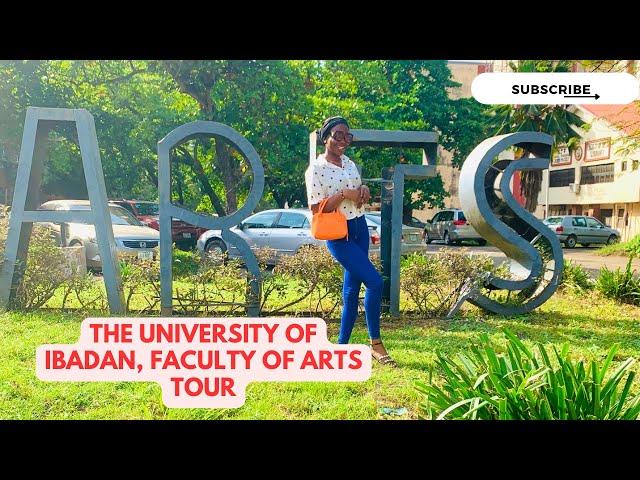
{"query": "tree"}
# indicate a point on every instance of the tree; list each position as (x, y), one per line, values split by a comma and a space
(556, 120)
(265, 102)
(399, 95)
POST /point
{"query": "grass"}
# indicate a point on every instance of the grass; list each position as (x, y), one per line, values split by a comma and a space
(624, 249)
(590, 324)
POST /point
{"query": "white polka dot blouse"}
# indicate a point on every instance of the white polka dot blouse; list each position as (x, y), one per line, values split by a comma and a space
(324, 179)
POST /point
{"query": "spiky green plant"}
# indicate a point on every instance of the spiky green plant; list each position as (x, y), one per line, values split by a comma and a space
(527, 385)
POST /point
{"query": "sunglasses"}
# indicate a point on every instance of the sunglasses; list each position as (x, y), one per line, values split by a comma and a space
(341, 136)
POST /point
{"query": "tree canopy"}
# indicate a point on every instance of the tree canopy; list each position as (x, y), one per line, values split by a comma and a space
(274, 104)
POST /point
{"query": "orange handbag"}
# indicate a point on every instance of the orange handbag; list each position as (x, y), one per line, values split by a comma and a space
(328, 225)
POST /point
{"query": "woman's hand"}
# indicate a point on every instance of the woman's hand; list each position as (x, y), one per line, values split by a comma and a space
(352, 194)
(364, 195)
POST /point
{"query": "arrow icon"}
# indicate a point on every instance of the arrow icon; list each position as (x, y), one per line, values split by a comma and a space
(596, 96)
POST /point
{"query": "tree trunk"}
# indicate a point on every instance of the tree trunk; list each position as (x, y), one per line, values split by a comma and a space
(188, 159)
(530, 187)
(407, 213)
(229, 172)
(530, 183)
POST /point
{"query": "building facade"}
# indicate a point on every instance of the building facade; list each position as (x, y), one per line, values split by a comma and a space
(601, 177)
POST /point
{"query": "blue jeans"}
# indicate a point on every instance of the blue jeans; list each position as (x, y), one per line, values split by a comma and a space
(353, 255)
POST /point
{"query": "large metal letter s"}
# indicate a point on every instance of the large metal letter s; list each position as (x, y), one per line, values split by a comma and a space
(486, 198)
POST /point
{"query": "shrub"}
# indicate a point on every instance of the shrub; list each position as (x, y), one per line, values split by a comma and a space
(46, 270)
(315, 277)
(575, 278)
(141, 278)
(185, 263)
(622, 286)
(216, 283)
(523, 385)
(434, 282)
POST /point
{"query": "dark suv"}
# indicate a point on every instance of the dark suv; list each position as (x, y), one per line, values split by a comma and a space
(184, 234)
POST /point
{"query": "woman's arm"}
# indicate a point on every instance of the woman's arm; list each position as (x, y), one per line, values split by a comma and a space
(335, 200)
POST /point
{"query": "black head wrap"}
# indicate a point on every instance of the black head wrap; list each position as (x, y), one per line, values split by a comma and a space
(328, 124)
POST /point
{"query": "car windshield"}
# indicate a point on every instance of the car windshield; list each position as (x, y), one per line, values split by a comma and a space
(119, 216)
(145, 208)
(554, 220)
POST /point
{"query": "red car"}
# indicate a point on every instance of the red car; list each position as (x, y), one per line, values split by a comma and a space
(184, 234)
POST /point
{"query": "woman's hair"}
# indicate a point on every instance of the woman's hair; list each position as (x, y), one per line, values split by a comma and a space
(328, 124)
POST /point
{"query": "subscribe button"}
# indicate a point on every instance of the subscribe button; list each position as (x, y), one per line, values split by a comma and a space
(555, 88)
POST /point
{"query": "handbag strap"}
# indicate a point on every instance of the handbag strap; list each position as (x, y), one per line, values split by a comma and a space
(322, 204)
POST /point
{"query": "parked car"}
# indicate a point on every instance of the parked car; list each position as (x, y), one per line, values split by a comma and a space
(183, 234)
(285, 230)
(411, 238)
(451, 226)
(130, 235)
(417, 223)
(572, 229)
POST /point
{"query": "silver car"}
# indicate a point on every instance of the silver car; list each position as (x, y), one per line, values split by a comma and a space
(284, 230)
(411, 239)
(451, 226)
(573, 229)
(130, 235)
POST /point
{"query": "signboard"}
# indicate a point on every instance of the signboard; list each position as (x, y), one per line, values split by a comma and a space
(597, 149)
(562, 156)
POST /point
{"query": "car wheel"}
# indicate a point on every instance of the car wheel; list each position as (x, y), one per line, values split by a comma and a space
(427, 240)
(612, 239)
(447, 239)
(570, 242)
(482, 242)
(215, 247)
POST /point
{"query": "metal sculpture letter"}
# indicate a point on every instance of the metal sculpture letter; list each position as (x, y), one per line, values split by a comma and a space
(498, 217)
(169, 210)
(26, 199)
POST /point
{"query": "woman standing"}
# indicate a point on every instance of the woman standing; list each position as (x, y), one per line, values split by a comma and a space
(334, 176)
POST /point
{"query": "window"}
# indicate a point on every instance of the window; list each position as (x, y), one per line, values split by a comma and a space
(147, 208)
(578, 222)
(623, 166)
(121, 216)
(291, 220)
(606, 214)
(446, 216)
(554, 220)
(461, 216)
(261, 220)
(562, 178)
(597, 174)
(634, 164)
(125, 205)
(593, 223)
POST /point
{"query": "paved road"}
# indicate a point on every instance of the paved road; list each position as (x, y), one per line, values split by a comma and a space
(584, 256)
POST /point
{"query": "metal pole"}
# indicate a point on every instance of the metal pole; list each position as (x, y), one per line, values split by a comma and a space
(546, 208)
(386, 212)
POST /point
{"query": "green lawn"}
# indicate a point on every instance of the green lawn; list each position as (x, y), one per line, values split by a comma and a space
(589, 324)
